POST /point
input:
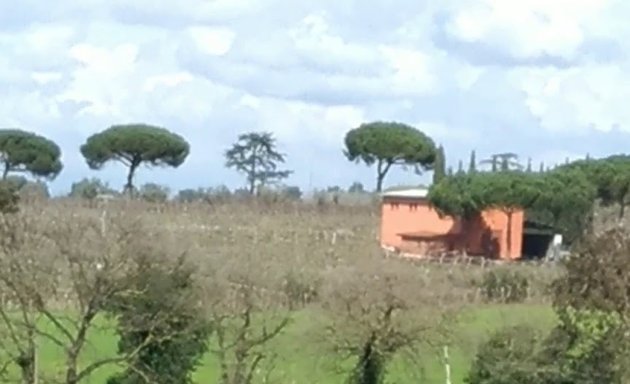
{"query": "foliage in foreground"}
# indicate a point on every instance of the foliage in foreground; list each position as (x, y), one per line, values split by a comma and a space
(178, 341)
(385, 310)
(69, 275)
(331, 253)
(508, 357)
(589, 344)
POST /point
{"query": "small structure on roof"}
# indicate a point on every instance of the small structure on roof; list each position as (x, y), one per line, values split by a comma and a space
(411, 224)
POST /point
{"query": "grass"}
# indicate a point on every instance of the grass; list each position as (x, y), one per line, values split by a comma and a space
(301, 359)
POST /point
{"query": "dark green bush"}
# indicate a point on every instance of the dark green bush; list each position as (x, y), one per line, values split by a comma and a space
(582, 349)
(164, 323)
(508, 357)
(9, 197)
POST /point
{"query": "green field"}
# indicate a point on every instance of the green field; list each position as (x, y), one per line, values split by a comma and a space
(301, 359)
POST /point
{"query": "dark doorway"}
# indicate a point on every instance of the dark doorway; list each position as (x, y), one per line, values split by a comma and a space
(537, 239)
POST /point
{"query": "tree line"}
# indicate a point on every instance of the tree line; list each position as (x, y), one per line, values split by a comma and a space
(556, 196)
(563, 197)
(255, 154)
(135, 145)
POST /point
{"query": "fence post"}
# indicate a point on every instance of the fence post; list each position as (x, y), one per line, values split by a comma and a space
(447, 365)
(104, 222)
(35, 365)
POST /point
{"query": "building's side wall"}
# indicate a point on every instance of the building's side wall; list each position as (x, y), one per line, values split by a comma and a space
(404, 215)
(407, 215)
(497, 221)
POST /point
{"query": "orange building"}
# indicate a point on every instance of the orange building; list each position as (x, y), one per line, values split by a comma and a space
(410, 224)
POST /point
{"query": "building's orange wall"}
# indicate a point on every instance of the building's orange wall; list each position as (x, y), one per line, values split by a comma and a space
(497, 220)
(401, 216)
(416, 215)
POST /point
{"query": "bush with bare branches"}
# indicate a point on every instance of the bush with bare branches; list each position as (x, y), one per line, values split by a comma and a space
(247, 311)
(379, 309)
(59, 277)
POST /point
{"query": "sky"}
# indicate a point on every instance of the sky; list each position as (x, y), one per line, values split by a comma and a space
(544, 79)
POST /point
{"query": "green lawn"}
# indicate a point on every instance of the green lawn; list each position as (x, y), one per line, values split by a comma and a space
(301, 361)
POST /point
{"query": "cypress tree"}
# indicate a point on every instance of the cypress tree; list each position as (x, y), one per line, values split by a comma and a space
(472, 167)
(439, 169)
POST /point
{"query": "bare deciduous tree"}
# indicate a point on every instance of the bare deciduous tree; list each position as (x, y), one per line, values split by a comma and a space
(61, 278)
(379, 309)
(246, 314)
(20, 274)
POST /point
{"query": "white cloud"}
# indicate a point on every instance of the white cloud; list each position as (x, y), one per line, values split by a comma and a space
(412, 70)
(316, 43)
(48, 37)
(588, 97)
(100, 78)
(46, 77)
(167, 80)
(42, 39)
(212, 41)
(527, 28)
(441, 132)
(300, 122)
(102, 60)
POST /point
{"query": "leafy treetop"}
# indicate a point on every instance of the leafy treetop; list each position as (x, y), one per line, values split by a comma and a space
(610, 177)
(133, 145)
(562, 198)
(390, 143)
(566, 201)
(509, 190)
(457, 195)
(22, 151)
(466, 195)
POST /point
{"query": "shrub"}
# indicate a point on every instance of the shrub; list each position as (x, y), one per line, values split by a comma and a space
(508, 357)
(169, 351)
(9, 197)
(583, 349)
(299, 289)
(589, 344)
(504, 285)
(154, 193)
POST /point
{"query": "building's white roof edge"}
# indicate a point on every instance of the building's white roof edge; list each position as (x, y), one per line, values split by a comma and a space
(414, 193)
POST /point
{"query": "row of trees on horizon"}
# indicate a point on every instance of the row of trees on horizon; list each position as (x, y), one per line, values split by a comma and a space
(255, 155)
